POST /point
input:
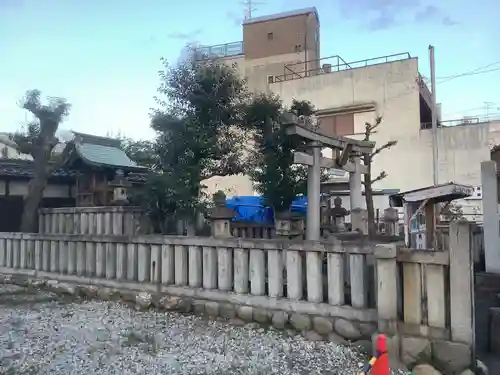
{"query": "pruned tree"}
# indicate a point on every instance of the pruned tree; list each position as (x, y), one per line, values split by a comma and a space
(273, 172)
(369, 180)
(39, 140)
(452, 211)
(199, 127)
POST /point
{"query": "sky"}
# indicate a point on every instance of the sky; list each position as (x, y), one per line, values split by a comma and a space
(103, 56)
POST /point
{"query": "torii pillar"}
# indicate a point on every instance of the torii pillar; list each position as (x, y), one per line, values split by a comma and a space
(313, 227)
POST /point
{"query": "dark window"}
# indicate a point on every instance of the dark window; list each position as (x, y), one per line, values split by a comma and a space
(5, 152)
(270, 79)
(270, 36)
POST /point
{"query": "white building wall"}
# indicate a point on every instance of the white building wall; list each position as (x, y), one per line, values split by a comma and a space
(393, 90)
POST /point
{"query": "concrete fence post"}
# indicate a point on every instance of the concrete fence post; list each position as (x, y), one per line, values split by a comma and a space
(489, 187)
(461, 284)
(387, 290)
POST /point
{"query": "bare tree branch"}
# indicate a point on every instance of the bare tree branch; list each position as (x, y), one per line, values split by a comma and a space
(381, 176)
(383, 147)
(369, 128)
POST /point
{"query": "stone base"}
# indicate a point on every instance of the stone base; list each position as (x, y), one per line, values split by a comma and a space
(445, 356)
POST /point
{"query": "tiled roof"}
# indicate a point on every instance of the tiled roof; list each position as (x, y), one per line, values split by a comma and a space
(24, 168)
(102, 151)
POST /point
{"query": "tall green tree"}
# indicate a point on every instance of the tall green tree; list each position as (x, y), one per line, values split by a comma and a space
(273, 172)
(199, 124)
(142, 152)
(39, 140)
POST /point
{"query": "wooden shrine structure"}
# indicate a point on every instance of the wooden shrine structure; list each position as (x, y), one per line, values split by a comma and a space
(422, 214)
(102, 168)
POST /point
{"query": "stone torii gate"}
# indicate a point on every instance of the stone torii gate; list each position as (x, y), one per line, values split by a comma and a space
(347, 153)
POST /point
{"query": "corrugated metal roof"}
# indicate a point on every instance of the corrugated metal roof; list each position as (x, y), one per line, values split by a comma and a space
(277, 16)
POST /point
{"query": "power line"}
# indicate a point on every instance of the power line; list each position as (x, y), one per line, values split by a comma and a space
(474, 70)
(479, 70)
(444, 79)
(469, 74)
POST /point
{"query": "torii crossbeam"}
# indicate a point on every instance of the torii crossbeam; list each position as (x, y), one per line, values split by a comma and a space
(347, 151)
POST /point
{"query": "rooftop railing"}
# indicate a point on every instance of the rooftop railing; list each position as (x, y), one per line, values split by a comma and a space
(221, 50)
(332, 64)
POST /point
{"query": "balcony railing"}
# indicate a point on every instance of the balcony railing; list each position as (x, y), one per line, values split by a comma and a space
(221, 50)
(332, 64)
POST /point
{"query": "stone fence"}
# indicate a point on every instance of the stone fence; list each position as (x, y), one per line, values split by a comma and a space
(89, 220)
(130, 220)
(423, 299)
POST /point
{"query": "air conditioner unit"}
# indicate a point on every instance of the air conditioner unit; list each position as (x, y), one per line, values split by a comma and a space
(327, 68)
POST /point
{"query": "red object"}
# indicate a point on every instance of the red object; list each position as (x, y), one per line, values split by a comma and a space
(381, 366)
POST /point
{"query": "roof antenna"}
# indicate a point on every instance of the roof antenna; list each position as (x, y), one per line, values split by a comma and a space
(249, 8)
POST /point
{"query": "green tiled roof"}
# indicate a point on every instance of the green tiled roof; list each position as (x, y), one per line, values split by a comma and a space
(102, 151)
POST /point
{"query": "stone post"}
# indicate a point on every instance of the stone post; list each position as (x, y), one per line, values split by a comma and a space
(490, 216)
(313, 225)
(387, 288)
(461, 284)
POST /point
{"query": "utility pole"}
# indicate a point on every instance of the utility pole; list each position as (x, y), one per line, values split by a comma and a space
(249, 7)
(487, 106)
(434, 117)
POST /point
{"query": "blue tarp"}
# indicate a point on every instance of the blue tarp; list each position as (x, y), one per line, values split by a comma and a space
(250, 208)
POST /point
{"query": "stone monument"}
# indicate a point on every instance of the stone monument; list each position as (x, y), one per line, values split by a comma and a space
(221, 216)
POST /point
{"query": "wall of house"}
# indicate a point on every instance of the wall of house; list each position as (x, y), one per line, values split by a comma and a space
(393, 90)
(20, 188)
(389, 90)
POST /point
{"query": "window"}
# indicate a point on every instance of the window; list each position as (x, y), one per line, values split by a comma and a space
(338, 124)
(5, 152)
(270, 36)
(270, 79)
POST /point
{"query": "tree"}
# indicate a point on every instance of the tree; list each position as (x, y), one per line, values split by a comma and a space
(39, 140)
(200, 133)
(368, 179)
(452, 211)
(273, 171)
(142, 152)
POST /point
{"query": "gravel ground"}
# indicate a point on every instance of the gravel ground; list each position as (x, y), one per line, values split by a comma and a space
(41, 335)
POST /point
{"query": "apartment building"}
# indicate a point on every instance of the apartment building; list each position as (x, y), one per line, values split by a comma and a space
(281, 53)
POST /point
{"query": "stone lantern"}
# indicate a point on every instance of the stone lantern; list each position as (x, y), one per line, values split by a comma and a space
(221, 216)
(119, 185)
(391, 219)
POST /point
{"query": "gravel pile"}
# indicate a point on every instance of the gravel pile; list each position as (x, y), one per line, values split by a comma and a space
(39, 335)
